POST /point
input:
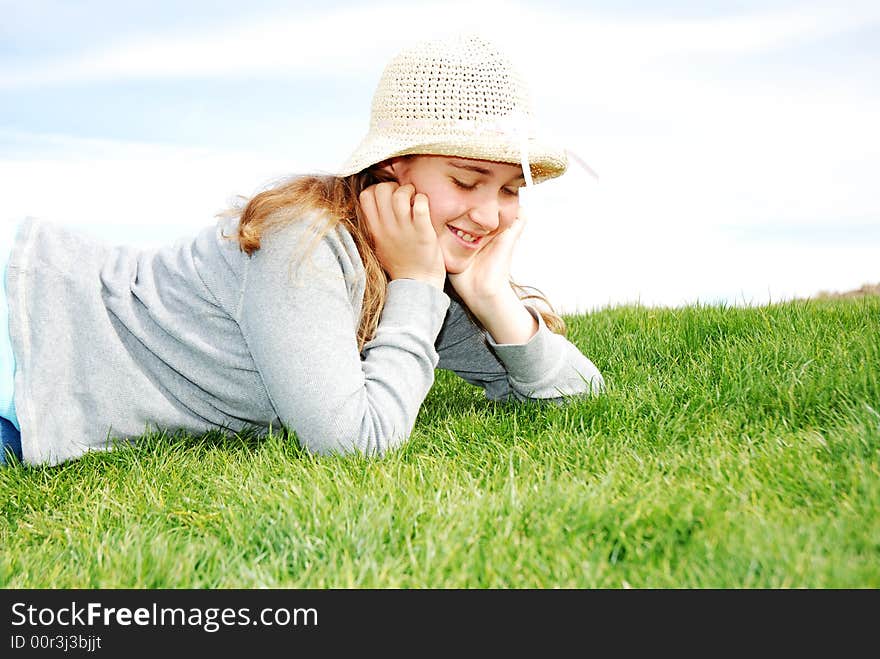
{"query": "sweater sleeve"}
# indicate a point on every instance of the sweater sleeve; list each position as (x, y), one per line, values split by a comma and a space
(547, 367)
(300, 321)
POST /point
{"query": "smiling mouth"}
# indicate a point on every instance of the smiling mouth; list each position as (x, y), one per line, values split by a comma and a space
(465, 238)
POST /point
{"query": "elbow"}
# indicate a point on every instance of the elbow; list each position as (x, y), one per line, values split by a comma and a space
(586, 387)
(589, 383)
(576, 383)
(367, 443)
(354, 425)
(586, 380)
(595, 384)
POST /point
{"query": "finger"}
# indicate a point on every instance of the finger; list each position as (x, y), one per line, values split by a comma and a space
(422, 213)
(507, 239)
(517, 226)
(402, 200)
(524, 197)
(523, 209)
(384, 202)
(367, 199)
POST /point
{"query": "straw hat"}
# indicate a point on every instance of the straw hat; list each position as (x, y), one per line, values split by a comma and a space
(458, 96)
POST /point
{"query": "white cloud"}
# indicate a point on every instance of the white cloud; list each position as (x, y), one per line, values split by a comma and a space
(357, 39)
(589, 245)
(131, 192)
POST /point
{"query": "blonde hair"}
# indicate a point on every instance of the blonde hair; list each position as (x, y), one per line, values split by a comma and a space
(336, 201)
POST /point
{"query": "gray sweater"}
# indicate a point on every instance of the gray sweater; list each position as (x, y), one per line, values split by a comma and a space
(114, 341)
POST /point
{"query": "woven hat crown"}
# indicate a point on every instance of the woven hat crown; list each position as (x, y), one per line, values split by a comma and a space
(459, 97)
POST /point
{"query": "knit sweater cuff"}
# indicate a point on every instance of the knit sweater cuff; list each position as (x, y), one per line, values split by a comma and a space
(529, 362)
(412, 303)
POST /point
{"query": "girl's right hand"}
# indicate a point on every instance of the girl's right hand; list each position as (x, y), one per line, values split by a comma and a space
(405, 241)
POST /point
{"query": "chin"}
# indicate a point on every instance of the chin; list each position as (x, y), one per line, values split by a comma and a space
(456, 266)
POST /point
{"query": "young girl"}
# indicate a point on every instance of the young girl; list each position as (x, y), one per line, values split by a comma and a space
(323, 305)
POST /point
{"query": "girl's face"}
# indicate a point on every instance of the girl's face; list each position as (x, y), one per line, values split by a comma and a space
(471, 201)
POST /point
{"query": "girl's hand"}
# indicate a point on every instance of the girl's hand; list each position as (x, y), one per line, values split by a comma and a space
(404, 238)
(484, 286)
(488, 275)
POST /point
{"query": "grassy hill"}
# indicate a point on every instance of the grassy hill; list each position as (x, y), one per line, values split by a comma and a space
(734, 448)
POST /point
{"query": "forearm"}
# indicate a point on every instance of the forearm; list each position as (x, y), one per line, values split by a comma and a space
(547, 366)
(505, 317)
(301, 334)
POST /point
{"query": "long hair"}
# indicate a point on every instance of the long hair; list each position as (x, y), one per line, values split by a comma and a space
(335, 199)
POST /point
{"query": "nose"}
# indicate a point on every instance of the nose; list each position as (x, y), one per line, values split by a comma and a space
(486, 213)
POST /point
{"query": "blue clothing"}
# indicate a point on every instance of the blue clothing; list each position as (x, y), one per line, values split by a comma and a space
(7, 359)
(10, 437)
(10, 440)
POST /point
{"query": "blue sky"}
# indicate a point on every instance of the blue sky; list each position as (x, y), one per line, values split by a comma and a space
(736, 142)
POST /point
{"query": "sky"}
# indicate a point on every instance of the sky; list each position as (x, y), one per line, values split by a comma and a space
(736, 143)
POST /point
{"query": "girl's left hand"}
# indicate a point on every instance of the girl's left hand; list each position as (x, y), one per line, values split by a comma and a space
(484, 286)
(488, 275)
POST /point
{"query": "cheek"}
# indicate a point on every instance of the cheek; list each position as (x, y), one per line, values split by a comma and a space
(508, 215)
(443, 210)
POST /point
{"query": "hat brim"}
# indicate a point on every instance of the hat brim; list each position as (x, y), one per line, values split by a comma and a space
(546, 162)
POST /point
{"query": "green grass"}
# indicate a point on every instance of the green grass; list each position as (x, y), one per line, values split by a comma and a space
(734, 448)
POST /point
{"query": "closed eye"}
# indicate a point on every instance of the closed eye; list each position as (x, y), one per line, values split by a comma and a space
(513, 192)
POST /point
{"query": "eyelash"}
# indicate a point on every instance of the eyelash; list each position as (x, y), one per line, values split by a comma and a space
(462, 185)
(471, 187)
